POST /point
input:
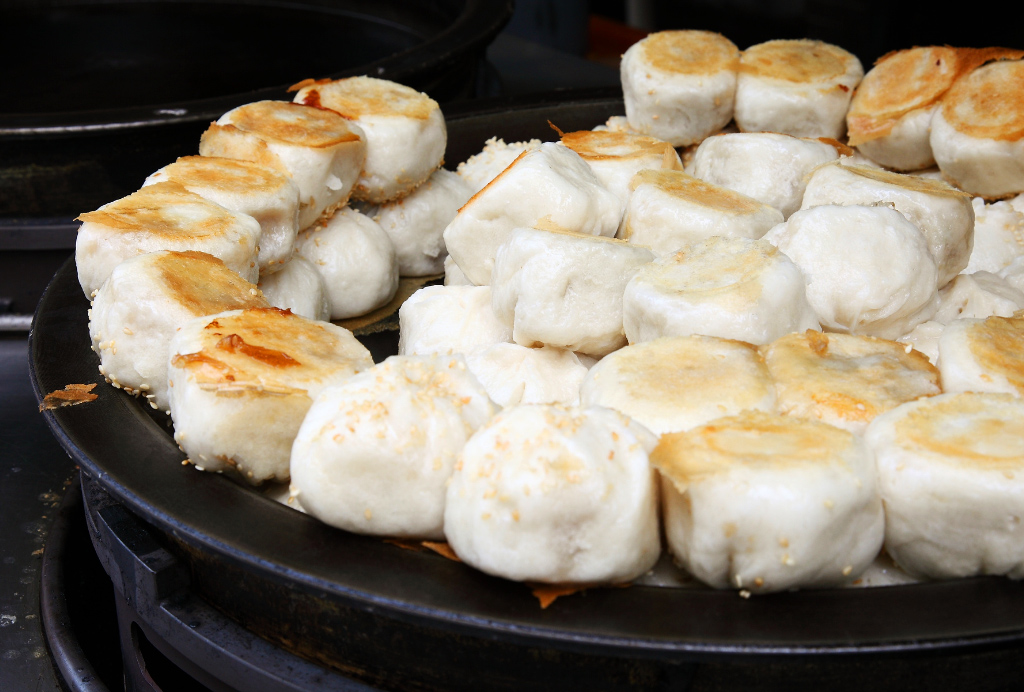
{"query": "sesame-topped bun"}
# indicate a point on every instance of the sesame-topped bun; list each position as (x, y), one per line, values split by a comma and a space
(846, 380)
(374, 453)
(615, 157)
(983, 355)
(768, 503)
(164, 216)
(550, 186)
(556, 495)
(263, 193)
(769, 167)
(677, 383)
(679, 85)
(868, 269)
(796, 87)
(889, 119)
(669, 210)
(951, 474)
(734, 288)
(404, 129)
(942, 213)
(321, 151)
(978, 133)
(298, 286)
(564, 289)
(240, 383)
(142, 304)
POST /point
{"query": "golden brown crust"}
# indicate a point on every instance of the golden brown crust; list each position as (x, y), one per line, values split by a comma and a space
(690, 52)
(203, 285)
(164, 209)
(493, 180)
(978, 435)
(799, 60)
(752, 438)
(843, 377)
(603, 146)
(293, 123)
(679, 184)
(226, 174)
(269, 350)
(988, 103)
(912, 183)
(356, 97)
(998, 345)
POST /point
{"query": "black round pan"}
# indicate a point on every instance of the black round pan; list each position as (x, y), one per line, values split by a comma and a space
(338, 596)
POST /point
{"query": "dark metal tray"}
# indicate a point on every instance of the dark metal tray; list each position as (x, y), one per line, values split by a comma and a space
(339, 580)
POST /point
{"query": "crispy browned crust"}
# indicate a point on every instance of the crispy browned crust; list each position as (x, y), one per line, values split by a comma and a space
(988, 102)
(685, 186)
(203, 285)
(690, 52)
(800, 61)
(906, 80)
(356, 97)
(841, 148)
(604, 146)
(998, 345)
(71, 395)
(227, 174)
(149, 211)
(493, 180)
(293, 123)
(912, 183)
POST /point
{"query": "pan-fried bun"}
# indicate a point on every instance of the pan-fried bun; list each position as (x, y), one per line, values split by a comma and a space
(404, 129)
(796, 87)
(868, 269)
(553, 494)
(415, 223)
(146, 299)
(998, 236)
(321, 151)
(164, 216)
(679, 85)
(550, 186)
(734, 288)
(265, 194)
(449, 319)
(241, 381)
(615, 157)
(983, 355)
(375, 452)
(669, 210)
(846, 380)
(514, 374)
(564, 289)
(771, 168)
(298, 286)
(978, 133)
(890, 115)
(496, 156)
(357, 260)
(767, 503)
(677, 383)
(951, 474)
(943, 213)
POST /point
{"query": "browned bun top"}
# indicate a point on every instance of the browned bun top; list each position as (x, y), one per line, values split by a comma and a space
(228, 175)
(796, 60)
(690, 52)
(356, 97)
(679, 184)
(164, 209)
(203, 285)
(988, 103)
(597, 145)
(293, 123)
(906, 80)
